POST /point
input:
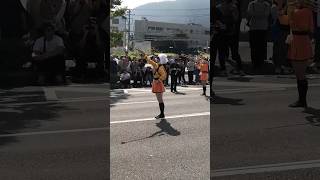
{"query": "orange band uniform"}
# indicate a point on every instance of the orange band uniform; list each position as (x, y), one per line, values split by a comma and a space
(204, 70)
(159, 76)
(301, 20)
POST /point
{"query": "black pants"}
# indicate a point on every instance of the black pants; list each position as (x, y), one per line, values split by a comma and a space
(317, 48)
(136, 79)
(182, 73)
(232, 43)
(190, 76)
(167, 79)
(219, 47)
(173, 83)
(51, 67)
(258, 46)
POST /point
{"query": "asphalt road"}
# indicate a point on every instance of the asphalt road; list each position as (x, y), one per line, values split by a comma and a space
(256, 135)
(54, 133)
(174, 148)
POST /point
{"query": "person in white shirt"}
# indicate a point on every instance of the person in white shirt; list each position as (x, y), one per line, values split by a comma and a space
(48, 56)
(259, 12)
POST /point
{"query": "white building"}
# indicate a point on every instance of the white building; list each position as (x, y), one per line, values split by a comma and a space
(162, 34)
(118, 24)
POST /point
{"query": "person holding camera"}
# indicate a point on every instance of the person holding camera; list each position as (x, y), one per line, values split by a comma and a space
(90, 50)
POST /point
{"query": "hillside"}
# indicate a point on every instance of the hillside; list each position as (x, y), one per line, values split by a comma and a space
(179, 11)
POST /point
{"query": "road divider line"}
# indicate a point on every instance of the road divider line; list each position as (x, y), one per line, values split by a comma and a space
(168, 117)
(50, 94)
(129, 103)
(54, 132)
(266, 168)
(248, 90)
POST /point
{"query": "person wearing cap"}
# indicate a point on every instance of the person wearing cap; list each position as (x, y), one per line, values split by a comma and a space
(204, 71)
(48, 56)
(300, 51)
(159, 75)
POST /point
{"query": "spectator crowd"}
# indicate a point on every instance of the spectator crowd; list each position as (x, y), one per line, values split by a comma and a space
(267, 21)
(127, 72)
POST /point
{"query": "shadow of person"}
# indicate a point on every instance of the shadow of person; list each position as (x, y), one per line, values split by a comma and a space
(314, 118)
(222, 100)
(180, 93)
(165, 128)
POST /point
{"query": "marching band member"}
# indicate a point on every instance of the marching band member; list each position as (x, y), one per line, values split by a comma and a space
(300, 47)
(204, 70)
(159, 75)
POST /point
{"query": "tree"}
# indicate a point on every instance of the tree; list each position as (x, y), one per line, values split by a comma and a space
(116, 10)
(116, 38)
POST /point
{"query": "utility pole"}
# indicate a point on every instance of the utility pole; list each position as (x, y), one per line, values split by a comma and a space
(129, 28)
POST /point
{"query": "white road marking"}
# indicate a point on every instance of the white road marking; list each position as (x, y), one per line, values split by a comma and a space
(138, 102)
(21, 96)
(166, 98)
(266, 168)
(81, 89)
(50, 94)
(153, 119)
(11, 110)
(247, 90)
(54, 132)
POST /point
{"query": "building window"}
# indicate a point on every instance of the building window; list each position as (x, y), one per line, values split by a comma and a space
(114, 28)
(159, 28)
(191, 31)
(115, 21)
(150, 28)
(206, 32)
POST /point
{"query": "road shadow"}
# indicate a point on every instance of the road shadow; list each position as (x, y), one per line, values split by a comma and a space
(165, 129)
(240, 78)
(222, 100)
(22, 109)
(314, 118)
(180, 93)
(268, 68)
(15, 118)
(117, 95)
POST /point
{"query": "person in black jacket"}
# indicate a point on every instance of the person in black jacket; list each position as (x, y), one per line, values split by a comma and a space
(174, 73)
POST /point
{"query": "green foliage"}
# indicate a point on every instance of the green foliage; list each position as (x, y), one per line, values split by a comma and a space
(115, 3)
(115, 10)
(116, 39)
(118, 12)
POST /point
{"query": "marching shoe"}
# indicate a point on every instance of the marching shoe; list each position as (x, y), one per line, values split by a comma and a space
(160, 116)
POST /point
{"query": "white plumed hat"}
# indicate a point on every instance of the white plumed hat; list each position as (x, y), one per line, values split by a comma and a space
(163, 58)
